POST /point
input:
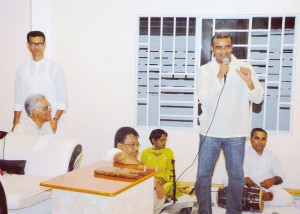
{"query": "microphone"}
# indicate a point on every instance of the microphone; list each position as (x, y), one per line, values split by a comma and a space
(225, 75)
(174, 181)
(225, 60)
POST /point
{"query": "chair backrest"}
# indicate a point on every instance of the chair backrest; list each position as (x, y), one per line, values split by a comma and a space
(3, 134)
(45, 155)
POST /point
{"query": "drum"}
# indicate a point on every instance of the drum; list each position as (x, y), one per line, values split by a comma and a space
(252, 199)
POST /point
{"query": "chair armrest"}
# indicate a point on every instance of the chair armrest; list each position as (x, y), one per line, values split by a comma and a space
(75, 158)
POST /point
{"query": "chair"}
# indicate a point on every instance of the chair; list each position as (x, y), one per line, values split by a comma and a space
(3, 203)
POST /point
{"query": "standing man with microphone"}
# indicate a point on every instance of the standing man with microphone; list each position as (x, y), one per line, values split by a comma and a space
(226, 86)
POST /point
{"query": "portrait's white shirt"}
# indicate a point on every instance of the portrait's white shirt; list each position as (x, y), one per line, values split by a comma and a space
(44, 77)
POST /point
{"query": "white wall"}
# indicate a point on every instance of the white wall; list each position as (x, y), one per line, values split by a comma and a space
(13, 51)
(94, 41)
(41, 19)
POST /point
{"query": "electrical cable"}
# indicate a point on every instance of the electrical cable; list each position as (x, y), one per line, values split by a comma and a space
(202, 141)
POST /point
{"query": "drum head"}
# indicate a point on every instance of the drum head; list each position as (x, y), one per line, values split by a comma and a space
(261, 204)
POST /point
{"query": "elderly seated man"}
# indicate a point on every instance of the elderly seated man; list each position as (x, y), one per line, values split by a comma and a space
(38, 110)
(125, 152)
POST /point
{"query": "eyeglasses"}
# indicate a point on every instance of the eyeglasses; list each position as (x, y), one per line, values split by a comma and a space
(34, 44)
(46, 108)
(133, 145)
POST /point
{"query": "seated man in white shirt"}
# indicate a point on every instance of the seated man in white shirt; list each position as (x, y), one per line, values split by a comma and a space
(262, 169)
(38, 110)
(125, 152)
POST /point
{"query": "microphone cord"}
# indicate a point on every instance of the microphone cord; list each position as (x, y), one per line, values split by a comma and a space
(202, 141)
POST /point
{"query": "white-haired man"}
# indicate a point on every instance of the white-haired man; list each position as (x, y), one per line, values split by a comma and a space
(39, 111)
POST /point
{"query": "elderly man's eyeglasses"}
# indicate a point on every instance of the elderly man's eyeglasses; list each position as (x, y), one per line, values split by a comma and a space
(133, 145)
(46, 108)
(34, 44)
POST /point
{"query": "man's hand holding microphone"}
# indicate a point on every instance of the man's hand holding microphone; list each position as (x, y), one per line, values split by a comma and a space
(224, 68)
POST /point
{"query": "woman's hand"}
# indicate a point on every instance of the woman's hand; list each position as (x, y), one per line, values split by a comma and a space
(160, 193)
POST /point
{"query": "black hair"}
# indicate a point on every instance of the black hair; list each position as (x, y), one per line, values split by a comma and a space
(221, 36)
(35, 34)
(121, 134)
(258, 130)
(156, 134)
